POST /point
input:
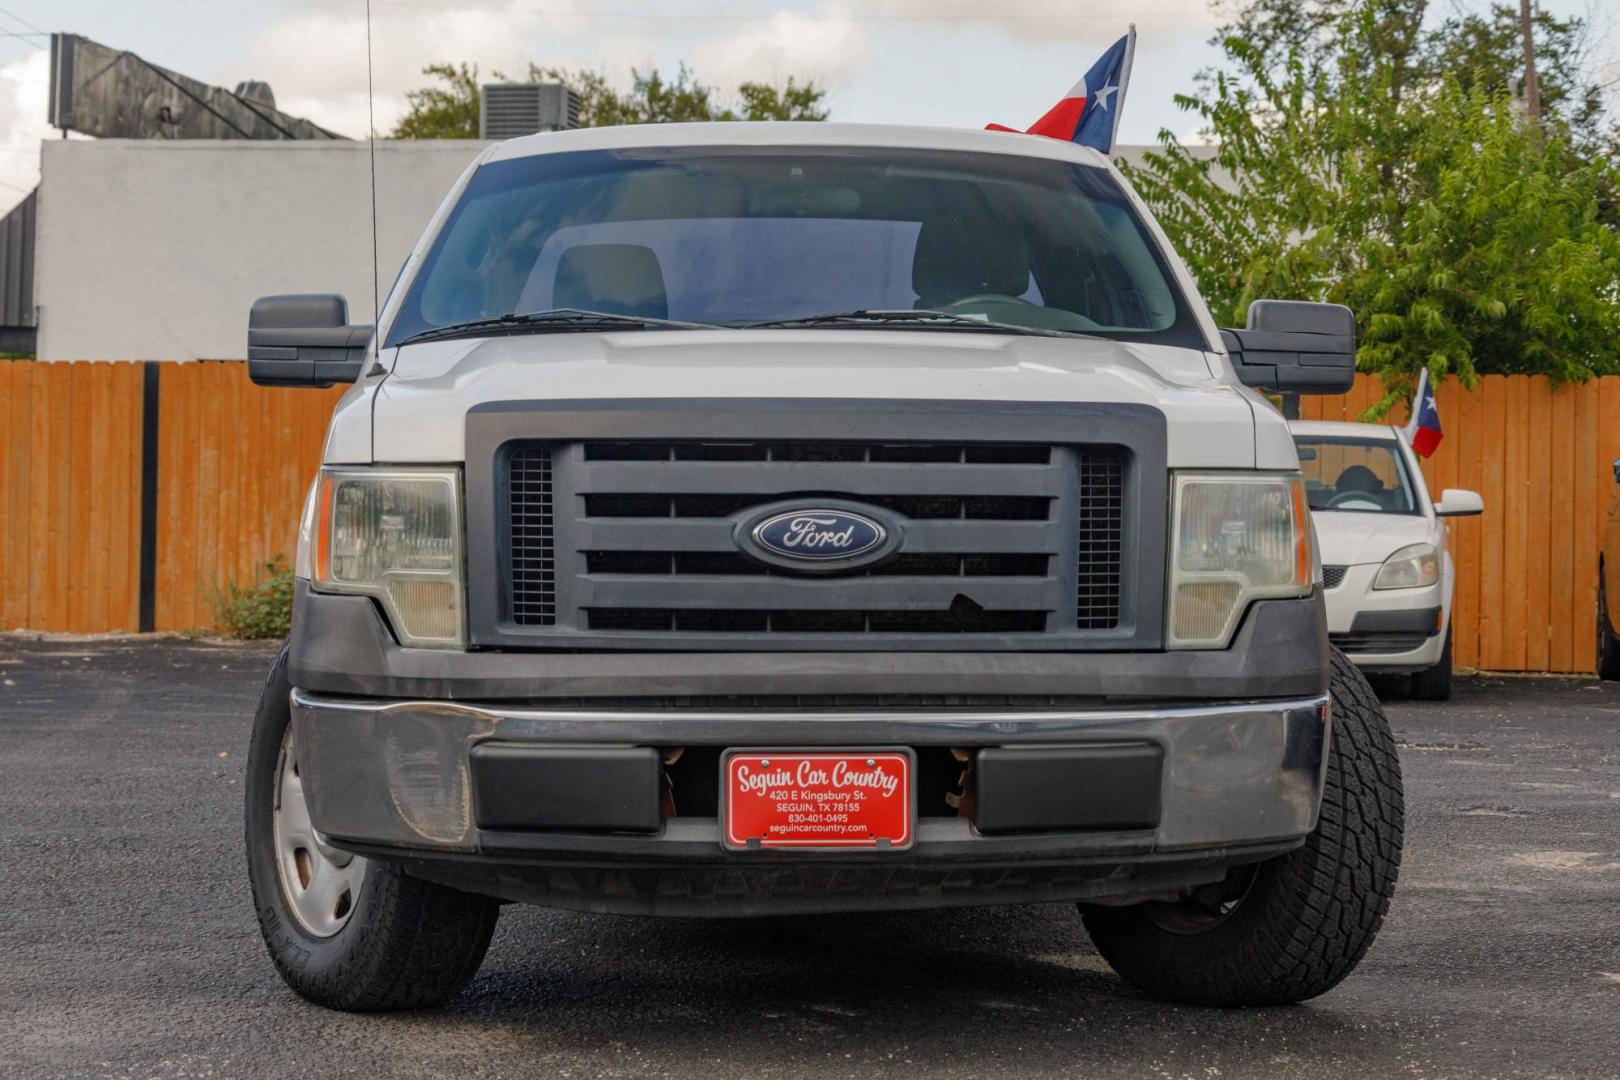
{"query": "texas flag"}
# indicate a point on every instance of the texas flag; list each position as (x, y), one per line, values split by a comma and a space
(1089, 112)
(1423, 430)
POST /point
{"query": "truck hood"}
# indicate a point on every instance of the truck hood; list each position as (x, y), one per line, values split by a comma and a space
(419, 409)
(1348, 539)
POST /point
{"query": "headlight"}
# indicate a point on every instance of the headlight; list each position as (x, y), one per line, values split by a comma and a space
(392, 534)
(1412, 567)
(1238, 537)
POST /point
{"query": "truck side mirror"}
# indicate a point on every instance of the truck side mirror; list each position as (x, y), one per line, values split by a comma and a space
(1291, 346)
(1457, 502)
(304, 340)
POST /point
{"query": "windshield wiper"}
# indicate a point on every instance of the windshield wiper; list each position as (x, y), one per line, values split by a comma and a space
(902, 317)
(555, 320)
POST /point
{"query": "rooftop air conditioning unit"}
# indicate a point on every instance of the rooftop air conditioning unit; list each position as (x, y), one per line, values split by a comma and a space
(508, 110)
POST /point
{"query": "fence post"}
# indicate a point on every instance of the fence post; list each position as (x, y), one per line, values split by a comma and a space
(149, 508)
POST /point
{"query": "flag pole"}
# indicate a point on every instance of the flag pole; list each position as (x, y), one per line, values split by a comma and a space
(1124, 83)
(1416, 406)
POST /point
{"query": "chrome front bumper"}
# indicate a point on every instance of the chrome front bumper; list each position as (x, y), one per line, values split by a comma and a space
(397, 775)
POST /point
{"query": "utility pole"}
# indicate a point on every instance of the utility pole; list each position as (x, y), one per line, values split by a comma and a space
(1532, 92)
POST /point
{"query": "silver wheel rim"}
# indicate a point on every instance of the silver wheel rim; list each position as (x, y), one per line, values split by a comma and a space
(321, 883)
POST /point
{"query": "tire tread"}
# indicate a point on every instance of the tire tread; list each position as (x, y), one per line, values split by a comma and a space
(1313, 912)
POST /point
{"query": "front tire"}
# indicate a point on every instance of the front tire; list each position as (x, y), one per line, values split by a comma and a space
(1434, 684)
(348, 933)
(1292, 927)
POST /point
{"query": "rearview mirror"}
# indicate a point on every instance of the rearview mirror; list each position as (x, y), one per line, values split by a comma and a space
(304, 340)
(1291, 346)
(1457, 502)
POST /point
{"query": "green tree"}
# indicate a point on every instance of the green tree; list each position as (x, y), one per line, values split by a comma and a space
(1474, 47)
(450, 110)
(1350, 174)
(791, 100)
(654, 99)
(1499, 262)
(442, 112)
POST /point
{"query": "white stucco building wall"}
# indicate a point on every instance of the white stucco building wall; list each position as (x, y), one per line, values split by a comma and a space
(155, 250)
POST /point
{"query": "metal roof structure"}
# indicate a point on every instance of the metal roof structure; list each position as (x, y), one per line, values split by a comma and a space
(18, 318)
(114, 94)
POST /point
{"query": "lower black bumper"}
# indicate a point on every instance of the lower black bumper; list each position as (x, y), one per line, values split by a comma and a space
(1109, 870)
(1394, 641)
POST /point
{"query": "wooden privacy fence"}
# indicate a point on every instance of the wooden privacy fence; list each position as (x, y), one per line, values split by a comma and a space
(211, 471)
(1542, 459)
(178, 477)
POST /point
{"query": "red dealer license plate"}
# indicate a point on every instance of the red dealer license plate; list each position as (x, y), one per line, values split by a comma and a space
(818, 799)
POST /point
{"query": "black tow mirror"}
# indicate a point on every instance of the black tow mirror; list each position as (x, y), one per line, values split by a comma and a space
(1295, 347)
(304, 340)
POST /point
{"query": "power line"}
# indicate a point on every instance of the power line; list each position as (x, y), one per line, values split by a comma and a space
(1094, 16)
(21, 37)
(36, 46)
(19, 19)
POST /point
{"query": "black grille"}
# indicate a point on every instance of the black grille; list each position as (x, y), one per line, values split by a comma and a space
(967, 453)
(1102, 517)
(997, 538)
(1333, 576)
(922, 507)
(722, 563)
(532, 537)
(1384, 641)
(956, 620)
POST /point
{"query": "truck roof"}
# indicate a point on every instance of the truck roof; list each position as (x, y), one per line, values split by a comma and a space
(794, 133)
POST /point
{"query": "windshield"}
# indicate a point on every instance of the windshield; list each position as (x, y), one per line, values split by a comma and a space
(735, 236)
(1355, 475)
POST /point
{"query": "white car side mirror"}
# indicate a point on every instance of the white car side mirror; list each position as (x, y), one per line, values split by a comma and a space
(1457, 502)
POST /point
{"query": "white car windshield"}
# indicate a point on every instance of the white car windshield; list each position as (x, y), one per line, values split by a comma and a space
(1351, 475)
(734, 236)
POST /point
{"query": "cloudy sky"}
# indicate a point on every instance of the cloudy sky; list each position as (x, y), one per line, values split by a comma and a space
(903, 61)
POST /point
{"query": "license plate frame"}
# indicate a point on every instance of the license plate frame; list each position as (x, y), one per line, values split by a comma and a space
(739, 810)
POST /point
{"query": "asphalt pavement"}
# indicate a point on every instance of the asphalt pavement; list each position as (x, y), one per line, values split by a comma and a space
(128, 945)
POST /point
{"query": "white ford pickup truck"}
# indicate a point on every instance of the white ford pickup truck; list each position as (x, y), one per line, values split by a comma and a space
(746, 519)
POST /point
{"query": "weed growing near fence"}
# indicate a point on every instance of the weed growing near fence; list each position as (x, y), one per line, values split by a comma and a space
(259, 612)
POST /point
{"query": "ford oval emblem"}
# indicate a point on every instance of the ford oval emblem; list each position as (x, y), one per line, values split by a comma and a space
(817, 534)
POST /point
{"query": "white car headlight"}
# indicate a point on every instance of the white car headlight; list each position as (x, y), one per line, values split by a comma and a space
(392, 534)
(1238, 537)
(1412, 567)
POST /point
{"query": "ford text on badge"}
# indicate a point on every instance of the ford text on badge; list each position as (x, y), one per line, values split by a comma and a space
(819, 534)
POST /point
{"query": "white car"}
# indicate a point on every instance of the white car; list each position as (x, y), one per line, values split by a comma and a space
(1386, 562)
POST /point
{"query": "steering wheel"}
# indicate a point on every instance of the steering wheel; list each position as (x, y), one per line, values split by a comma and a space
(985, 299)
(1357, 498)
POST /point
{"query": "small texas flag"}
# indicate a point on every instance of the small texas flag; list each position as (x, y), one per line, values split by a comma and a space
(1423, 430)
(1089, 112)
